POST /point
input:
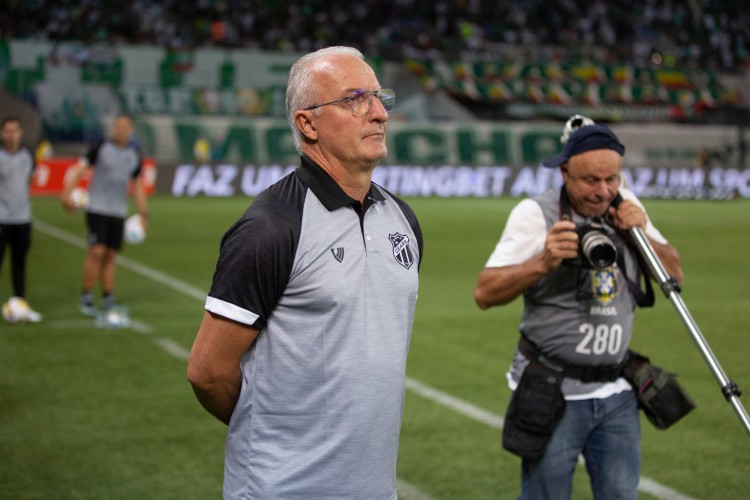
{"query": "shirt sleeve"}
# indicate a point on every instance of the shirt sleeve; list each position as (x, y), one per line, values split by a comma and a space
(523, 236)
(92, 154)
(256, 258)
(139, 168)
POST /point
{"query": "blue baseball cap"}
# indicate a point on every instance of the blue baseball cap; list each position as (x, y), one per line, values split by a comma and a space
(587, 138)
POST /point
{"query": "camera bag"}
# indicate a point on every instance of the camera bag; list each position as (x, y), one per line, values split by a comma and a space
(535, 409)
(660, 396)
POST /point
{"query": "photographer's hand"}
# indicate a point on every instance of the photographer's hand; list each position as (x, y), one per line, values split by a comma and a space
(561, 244)
(628, 215)
(501, 285)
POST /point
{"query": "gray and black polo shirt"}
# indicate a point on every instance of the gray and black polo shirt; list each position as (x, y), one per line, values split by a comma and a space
(15, 174)
(114, 167)
(332, 286)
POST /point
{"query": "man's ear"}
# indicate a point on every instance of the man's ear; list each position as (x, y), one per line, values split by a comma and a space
(564, 170)
(304, 121)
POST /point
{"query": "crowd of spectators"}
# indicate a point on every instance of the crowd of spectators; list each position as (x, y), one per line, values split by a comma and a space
(710, 34)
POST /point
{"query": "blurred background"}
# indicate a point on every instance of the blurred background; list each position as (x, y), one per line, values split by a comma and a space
(478, 84)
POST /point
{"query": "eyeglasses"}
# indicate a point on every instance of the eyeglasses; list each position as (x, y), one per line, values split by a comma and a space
(360, 101)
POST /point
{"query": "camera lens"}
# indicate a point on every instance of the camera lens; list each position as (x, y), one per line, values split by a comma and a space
(598, 249)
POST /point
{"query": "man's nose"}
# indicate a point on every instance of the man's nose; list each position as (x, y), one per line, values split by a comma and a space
(378, 111)
(601, 188)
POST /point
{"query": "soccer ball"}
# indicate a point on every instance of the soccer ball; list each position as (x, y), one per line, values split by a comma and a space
(79, 197)
(134, 232)
(16, 310)
(114, 318)
(574, 123)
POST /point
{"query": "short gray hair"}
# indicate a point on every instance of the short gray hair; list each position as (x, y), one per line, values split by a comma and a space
(301, 92)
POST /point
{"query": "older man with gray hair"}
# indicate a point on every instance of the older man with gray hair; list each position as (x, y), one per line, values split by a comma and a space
(302, 349)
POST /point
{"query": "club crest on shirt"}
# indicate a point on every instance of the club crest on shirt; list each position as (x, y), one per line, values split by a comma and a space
(605, 285)
(401, 251)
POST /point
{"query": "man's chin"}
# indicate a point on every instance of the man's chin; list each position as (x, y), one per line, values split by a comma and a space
(378, 154)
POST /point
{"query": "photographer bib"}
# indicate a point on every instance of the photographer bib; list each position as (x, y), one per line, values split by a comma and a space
(580, 314)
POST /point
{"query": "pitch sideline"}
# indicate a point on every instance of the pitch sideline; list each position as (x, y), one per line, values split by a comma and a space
(646, 485)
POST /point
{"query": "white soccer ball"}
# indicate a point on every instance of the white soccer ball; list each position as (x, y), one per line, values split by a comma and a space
(16, 310)
(114, 318)
(134, 231)
(79, 197)
(574, 123)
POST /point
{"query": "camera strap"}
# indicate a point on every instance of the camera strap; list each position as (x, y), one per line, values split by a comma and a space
(643, 298)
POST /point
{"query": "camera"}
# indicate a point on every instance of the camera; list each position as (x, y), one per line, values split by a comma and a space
(596, 244)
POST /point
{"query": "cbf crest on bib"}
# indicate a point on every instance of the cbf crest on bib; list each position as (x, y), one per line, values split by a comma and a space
(401, 251)
(604, 284)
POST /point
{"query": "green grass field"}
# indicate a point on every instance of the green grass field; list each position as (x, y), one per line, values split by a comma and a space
(87, 413)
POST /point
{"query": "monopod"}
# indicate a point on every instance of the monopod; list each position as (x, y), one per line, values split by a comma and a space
(671, 289)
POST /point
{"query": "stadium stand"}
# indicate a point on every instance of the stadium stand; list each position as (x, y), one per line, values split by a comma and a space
(622, 60)
(707, 34)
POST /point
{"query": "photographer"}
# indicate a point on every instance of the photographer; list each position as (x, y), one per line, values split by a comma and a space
(569, 397)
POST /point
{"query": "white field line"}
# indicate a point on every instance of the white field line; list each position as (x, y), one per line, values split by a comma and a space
(84, 324)
(172, 348)
(138, 268)
(458, 405)
(406, 491)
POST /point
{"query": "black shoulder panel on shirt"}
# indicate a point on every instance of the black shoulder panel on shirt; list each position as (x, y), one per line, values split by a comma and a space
(93, 153)
(258, 251)
(138, 169)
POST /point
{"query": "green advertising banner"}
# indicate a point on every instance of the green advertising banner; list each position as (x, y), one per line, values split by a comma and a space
(514, 144)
